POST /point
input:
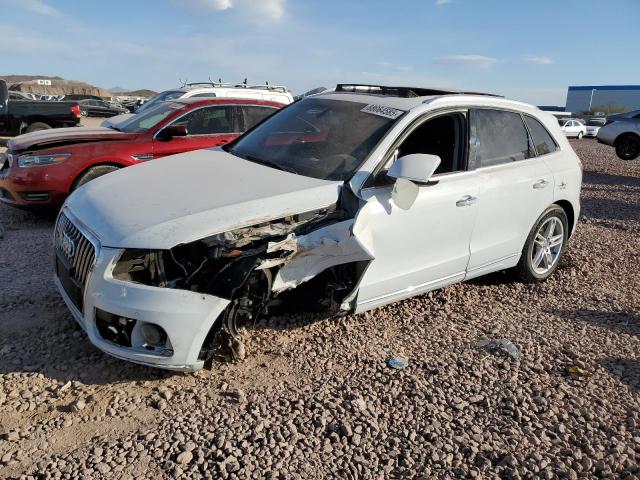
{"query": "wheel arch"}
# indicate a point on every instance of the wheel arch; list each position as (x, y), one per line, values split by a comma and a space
(569, 212)
(626, 134)
(105, 163)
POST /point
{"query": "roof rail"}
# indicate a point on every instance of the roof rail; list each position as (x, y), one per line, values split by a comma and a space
(405, 92)
(274, 88)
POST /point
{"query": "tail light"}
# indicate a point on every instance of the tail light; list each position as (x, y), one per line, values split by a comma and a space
(75, 109)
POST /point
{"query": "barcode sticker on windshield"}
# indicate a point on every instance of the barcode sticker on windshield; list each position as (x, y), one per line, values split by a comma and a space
(382, 111)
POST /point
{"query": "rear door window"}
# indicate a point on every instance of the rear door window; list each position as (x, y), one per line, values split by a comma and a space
(542, 139)
(497, 137)
(253, 115)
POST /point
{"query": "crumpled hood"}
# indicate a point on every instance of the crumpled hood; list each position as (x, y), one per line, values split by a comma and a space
(187, 197)
(65, 135)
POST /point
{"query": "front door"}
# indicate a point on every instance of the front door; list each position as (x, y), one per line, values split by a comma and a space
(207, 127)
(426, 246)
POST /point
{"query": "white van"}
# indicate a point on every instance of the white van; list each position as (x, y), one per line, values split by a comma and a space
(273, 93)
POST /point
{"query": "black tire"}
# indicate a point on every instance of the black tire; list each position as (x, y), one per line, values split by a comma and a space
(525, 269)
(83, 113)
(580, 135)
(34, 127)
(628, 147)
(92, 173)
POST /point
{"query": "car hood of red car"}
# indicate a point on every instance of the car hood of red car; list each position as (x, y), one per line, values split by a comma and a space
(65, 136)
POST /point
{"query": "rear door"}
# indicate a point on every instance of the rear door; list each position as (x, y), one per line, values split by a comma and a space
(209, 126)
(515, 188)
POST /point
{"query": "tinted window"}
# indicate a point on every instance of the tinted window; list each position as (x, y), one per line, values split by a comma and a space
(254, 115)
(497, 137)
(208, 120)
(541, 138)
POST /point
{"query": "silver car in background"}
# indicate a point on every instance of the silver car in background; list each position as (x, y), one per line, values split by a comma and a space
(594, 125)
(622, 132)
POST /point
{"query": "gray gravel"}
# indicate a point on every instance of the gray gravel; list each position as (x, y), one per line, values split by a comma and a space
(314, 397)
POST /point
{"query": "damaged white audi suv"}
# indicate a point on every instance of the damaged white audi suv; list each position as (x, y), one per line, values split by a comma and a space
(342, 201)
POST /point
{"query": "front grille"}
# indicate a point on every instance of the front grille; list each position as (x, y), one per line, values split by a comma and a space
(75, 257)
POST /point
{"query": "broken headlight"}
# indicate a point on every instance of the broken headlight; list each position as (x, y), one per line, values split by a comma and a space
(141, 266)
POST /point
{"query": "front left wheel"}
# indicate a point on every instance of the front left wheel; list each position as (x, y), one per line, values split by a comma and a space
(93, 172)
(544, 246)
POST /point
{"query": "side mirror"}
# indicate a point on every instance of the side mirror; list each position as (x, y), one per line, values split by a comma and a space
(408, 172)
(172, 131)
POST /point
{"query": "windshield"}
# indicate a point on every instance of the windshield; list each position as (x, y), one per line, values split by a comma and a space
(320, 138)
(143, 122)
(561, 122)
(160, 97)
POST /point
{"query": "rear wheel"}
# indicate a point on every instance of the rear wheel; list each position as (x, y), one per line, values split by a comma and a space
(628, 147)
(93, 172)
(544, 246)
(34, 127)
(580, 135)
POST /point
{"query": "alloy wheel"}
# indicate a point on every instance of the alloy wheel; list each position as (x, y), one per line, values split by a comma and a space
(547, 245)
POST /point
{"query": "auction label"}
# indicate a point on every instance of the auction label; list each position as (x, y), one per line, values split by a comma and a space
(382, 111)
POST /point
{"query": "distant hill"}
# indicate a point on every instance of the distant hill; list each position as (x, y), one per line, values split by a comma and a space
(136, 93)
(60, 86)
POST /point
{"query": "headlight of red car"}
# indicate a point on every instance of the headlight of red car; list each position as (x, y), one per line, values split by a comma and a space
(27, 161)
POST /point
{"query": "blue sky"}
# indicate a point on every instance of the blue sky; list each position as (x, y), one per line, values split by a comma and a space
(527, 50)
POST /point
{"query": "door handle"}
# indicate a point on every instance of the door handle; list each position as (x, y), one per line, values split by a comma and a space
(466, 201)
(540, 184)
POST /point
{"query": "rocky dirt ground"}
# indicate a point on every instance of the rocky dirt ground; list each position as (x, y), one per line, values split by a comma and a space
(314, 397)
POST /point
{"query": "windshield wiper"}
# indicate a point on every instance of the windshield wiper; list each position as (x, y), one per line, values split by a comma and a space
(269, 163)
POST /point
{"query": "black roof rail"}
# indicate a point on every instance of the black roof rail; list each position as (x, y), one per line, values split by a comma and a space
(404, 92)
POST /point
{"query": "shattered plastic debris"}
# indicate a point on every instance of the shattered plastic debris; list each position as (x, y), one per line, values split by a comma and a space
(503, 344)
(576, 371)
(398, 362)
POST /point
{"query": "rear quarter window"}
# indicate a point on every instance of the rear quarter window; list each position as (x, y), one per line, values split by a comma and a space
(542, 139)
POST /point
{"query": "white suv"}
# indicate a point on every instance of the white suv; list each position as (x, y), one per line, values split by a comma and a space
(273, 93)
(344, 201)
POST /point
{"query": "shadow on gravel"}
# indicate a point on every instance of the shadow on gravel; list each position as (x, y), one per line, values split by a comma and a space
(598, 178)
(622, 322)
(626, 369)
(56, 347)
(602, 208)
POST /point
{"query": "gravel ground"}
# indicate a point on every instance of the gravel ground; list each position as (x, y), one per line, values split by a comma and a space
(314, 397)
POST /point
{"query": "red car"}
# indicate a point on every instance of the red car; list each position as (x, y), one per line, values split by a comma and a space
(42, 168)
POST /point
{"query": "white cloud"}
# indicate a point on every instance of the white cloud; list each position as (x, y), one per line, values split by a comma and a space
(269, 10)
(442, 2)
(538, 59)
(395, 66)
(477, 61)
(37, 6)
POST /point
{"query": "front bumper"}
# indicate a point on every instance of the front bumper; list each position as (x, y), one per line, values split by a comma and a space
(185, 316)
(28, 187)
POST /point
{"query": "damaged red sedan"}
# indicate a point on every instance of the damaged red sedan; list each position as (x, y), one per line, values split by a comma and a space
(42, 168)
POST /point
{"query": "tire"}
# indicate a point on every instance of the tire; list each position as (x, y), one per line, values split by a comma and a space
(533, 268)
(580, 135)
(92, 173)
(83, 113)
(628, 147)
(34, 127)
